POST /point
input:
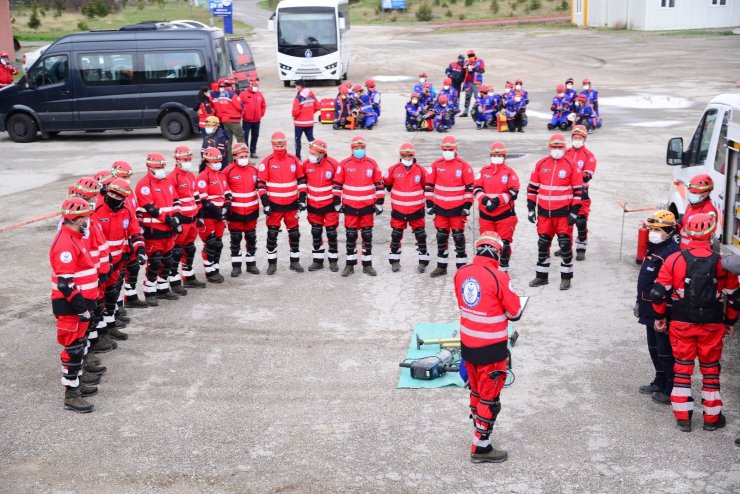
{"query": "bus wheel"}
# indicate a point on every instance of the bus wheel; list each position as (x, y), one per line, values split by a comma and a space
(22, 127)
(286, 83)
(337, 82)
(175, 126)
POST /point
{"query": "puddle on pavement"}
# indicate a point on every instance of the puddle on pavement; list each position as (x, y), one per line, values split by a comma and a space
(646, 101)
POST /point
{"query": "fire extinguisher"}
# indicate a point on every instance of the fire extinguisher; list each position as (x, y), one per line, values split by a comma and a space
(642, 244)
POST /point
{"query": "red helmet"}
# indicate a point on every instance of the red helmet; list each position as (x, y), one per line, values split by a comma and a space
(414, 95)
(357, 89)
(581, 97)
(278, 140)
(75, 207)
(104, 177)
(509, 84)
(569, 80)
(222, 82)
(498, 148)
(700, 226)
(586, 81)
(358, 142)
(370, 83)
(346, 84)
(556, 141)
(120, 187)
(700, 184)
(519, 81)
(343, 90)
(471, 53)
(490, 238)
(239, 148)
(442, 99)
(407, 149)
(427, 85)
(518, 93)
(86, 187)
(318, 145)
(579, 130)
(155, 161)
(560, 88)
(122, 169)
(483, 89)
(423, 74)
(183, 152)
(212, 155)
(447, 82)
(449, 143)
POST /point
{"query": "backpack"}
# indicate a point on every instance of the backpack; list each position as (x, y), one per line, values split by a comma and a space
(699, 304)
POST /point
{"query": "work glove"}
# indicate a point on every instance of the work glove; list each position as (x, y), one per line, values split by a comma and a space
(201, 222)
(572, 217)
(141, 257)
(337, 204)
(466, 210)
(430, 208)
(586, 177)
(302, 204)
(378, 209)
(532, 216)
(173, 223)
(636, 310)
(84, 316)
(491, 204)
(266, 205)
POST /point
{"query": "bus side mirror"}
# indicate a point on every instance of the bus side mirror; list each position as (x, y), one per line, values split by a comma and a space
(674, 154)
(271, 24)
(342, 24)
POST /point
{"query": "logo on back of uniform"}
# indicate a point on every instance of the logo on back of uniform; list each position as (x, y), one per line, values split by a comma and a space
(65, 257)
(562, 174)
(470, 291)
(202, 184)
(505, 179)
(145, 190)
(458, 173)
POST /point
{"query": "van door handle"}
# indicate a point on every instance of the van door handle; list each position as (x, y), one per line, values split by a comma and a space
(65, 92)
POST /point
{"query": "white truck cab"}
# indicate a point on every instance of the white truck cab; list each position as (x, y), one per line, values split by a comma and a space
(714, 150)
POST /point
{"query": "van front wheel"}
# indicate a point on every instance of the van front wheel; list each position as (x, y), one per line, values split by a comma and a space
(22, 128)
(175, 126)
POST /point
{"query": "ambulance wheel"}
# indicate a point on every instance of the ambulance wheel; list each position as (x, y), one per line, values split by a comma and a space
(286, 83)
(564, 125)
(550, 126)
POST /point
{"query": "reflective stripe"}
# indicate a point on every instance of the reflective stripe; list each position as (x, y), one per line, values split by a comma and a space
(394, 257)
(482, 318)
(87, 272)
(272, 255)
(359, 198)
(555, 198)
(359, 189)
(484, 335)
(352, 257)
(115, 242)
(395, 192)
(542, 269)
(449, 198)
(713, 410)
(681, 391)
(242, 195)
(320, 198)
(187, 209)
(244, 204)
(303, 122)
(311, 188)
(407, 203)
(683, 406)
(284, 184)
(710, 395)
(282, 194)
(555, 187)
(449, 189)
(116, 252)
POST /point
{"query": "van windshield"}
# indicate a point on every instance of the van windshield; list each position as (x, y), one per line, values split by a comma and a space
(304, 29)
(241, 55)
(223, 64)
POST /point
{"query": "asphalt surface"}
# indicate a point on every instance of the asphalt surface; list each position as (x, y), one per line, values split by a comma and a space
(287, 383)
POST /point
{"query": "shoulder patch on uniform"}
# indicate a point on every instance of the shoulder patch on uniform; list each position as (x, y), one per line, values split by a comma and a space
(261, 167)
(562, 173)
(65, 257)
(145, 190)
(504, 179)
(458, 173)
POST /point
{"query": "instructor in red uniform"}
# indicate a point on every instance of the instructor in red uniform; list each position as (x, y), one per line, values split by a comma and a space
(487, 303)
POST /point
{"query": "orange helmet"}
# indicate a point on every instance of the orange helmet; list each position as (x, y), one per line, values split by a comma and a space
(701, 183)
(407, 149)
(120, 187)
(370, 83)
(442, 100)
(318, 145)
(212, 155)
(447, 82)
(75, 207)
(490, 238)
(155, 161)
(701, 226)
(449, 143)
(183, 152)
(278, 140)
(498, 148)
(239, 148)
(122, 169)
(560, 88)
(86, 187)
(579, 130)
(358, 142)
(556, 141)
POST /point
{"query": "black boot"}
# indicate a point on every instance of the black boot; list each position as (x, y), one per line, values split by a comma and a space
(493, 456)
(316, 265)
(296, 266)
(252, 269)
(538, 282)
(215, 277)
(348, 270)
(236, 271)
(395, 266)
(438, 271)
(192, 282)
(333, 266)
(86, 391)
(117, 334)
(369, 270)
(565, 284)
(74, 401)
(721, 422)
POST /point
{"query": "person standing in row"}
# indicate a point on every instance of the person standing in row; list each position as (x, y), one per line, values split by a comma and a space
(254, 110)
(320, 170)
(305, 106)
(241, 180)
(215, 200)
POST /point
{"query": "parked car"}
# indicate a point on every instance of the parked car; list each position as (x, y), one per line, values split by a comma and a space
(30, 57)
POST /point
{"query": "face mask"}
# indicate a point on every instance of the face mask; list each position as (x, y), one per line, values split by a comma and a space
(560, 95)
(407, 162)
(448, 155)
(414, 101)
(422, 80)
(695, 198)
(358, 153)
(497, 160)
(586, 87)
(557, 154)
(280, 153)
(210, 130)
(160, 173)
(507, 90)
(517, 99)
(242, 161)
(186, 165)
(518, 86)
(577, 143)
(446, 88)
(114, 204)
(254, 89)
(216, 166)
(655, 237)
(569, 86)
(84, 227)
(313, 158)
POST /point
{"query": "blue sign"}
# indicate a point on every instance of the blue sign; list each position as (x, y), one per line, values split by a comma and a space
(225, 9)
(393, 4)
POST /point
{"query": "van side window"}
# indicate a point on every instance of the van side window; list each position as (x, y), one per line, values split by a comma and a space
(174, 66)
(51, 70)
(699, 148)
(106, 69)
(721, 154)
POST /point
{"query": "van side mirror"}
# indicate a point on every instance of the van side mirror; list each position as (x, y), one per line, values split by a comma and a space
(342, 24)
(674, 154)
(30, 83)
(271, 24)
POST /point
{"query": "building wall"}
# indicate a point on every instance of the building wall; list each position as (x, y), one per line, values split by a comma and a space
(6, 31)
(649, 15)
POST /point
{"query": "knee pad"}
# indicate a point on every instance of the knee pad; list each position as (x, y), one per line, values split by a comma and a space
(177, 252)
(564, 242)
(396, 236)
(219, 243)
(506, 251)
(543, 243)
(211, 243)
(442, 235)
(75, 352)
(367, 234)
(190, 250)
(458, 236)
(251, 236)
(236, 238)
(331, 233)
(581, 222)
(421, 235)
(495, 407)
(155, 262)
(352, 235)
(316, 231)
(294, 233)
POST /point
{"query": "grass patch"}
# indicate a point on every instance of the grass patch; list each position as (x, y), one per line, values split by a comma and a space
(53, 28)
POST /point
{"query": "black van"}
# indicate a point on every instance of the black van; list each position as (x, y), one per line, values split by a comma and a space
(140, 76)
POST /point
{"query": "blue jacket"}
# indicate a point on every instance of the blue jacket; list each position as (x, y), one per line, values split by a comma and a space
(654, 258)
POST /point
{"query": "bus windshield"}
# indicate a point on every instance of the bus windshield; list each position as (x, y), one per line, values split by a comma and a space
(301, 29)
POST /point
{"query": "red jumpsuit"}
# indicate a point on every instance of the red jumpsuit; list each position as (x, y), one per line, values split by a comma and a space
(586, 162)
(97, 246)
(705, 206)
(499, 183)
(486, 304)
(243, 213)
(7, 72)
(555, 190)
(450, 188)
(321, 212)
(215, 199)
(157, 210)
(123, 232)
(691, 336)
(184, 249)
(281, 182)
(406, 186)
(358, 183)
(71, 261)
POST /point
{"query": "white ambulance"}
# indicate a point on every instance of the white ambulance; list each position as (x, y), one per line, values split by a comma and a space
(715, 150)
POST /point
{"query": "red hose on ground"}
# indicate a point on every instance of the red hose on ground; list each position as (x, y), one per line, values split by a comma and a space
(27, 222)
